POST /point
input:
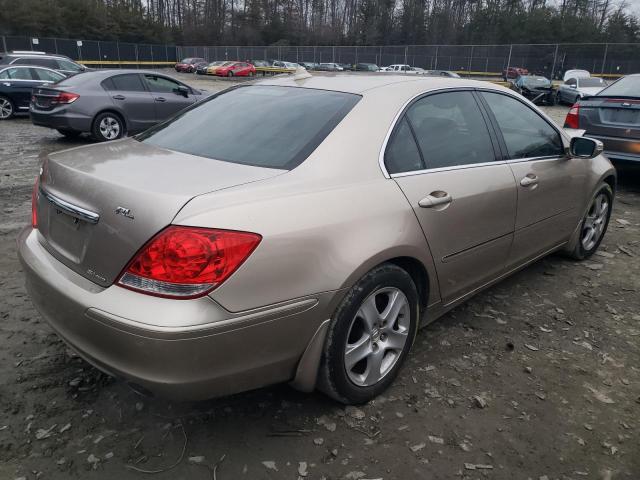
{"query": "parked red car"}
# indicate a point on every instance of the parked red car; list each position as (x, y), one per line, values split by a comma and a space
(514, 72)
(189, 64)
(236, 69)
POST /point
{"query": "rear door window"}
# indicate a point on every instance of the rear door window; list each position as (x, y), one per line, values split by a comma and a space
(265, 126)
(526, 134)
(20, 73)
(46, 75)
(125, 83)
(451, 130)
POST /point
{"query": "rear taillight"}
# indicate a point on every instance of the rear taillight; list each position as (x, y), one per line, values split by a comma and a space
(64, 98)
(34, 203)
(187, 262)
(573, 117)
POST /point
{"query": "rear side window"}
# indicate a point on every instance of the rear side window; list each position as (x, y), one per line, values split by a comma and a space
(125, 83)
(68, 66)
(265, 126)
(402, 154)
(525, 133)
(450, 130)
(17, 73)
(47, 75)
(161, 84)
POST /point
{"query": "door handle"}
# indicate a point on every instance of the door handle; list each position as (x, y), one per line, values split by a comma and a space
(529, 180)
(119, 97)
(161, 99)
(435, 199)
(6, 84)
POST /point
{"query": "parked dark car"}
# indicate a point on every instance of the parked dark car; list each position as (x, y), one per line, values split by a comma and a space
(346, 66)
(203, 68)
(513, 72)
(308, 65)
(188, 65)
(110, 103)
(366, 67)
(536, 88)
(613, 117)
(17, 83)
(59, 63)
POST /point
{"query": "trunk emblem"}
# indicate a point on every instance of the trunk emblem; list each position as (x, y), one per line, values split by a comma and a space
(125, 212)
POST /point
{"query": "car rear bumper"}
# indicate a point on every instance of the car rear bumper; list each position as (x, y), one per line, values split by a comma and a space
(61, 119)
(194, 349)
(617, 148)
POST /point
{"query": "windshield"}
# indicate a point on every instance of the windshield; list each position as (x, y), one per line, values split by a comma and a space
(265, 126)
(536, 81)
(186, 60)
(625, 87)
(590, 82)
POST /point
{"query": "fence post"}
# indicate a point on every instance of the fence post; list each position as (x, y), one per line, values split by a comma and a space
(166, 53)
(151, 48)
(118, 53)
(470, 59)
(604, 57)
(509, 60)
(99, 52)
(406, 52)
(314, 53)
(136, 48)
(55, 44)
(4, 44)
(333, 54)
(553, 67)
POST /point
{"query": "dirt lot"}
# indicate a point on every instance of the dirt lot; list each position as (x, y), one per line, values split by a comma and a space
(537, 378)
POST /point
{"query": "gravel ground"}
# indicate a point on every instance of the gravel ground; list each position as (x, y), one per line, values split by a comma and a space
(536, 378)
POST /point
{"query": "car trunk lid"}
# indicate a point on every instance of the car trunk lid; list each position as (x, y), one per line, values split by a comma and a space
(98, 205)
(610, 116)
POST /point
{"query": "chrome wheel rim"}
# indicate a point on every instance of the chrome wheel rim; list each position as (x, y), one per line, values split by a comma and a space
(595, 221)
(109, 128)
(377, 336)
(6, 109)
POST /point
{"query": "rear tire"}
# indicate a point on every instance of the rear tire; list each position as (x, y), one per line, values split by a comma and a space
(69, 133)
(230, 74)
(370, 336)
(108, 126)
(594, 224)
(7, 109)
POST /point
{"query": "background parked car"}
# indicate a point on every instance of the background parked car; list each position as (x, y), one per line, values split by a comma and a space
(235, 69)
(188, 65)
(403, 68)
(366, 67)
(513, 72)
(110, 103)
(575, 88)
(442, 73)
(536, 88)
(203, 68)
(17, 83)
(308, 65)
(330, 67)
(59, 63)
(613, 117)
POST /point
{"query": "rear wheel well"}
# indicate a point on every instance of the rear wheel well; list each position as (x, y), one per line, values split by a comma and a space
(418, 273)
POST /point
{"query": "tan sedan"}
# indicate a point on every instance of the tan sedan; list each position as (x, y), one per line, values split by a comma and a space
(302, 229)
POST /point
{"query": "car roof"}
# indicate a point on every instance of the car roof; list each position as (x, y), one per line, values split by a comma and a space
(34, 55)
(361, 84)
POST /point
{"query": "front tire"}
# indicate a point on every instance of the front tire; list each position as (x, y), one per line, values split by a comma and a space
(594, 224)
(370, 335)
(108, 126)
(7, 109)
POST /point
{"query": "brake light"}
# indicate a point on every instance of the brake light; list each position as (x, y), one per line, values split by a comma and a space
(187, 262)
(573, 117)
(64, 98)
(34, 203)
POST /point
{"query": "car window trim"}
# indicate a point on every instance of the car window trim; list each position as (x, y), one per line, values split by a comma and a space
(500, 137)
(381, 156)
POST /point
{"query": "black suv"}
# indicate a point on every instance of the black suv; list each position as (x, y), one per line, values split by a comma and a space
(60, 63)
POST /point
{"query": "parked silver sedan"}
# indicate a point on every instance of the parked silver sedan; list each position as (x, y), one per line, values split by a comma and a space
(109, 104)
(576, 88)
(302, 229)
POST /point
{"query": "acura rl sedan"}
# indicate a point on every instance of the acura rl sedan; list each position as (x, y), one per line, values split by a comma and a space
(110, 104)
(305, 231)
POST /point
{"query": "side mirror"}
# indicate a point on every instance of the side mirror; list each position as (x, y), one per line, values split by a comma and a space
(182, 90)
(584, 147)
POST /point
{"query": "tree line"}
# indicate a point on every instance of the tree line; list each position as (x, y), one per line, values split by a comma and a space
(323, 22)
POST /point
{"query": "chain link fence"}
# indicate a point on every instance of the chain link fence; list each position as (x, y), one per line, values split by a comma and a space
(551, 60)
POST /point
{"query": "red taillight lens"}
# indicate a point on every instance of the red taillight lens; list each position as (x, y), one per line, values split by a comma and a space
(573, 117)
(34, 203)
(187, 262)
(64, 98)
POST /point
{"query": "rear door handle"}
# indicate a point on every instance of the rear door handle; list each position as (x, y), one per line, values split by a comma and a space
(161, 99)
(435, 199)
(529, 180)
(119, 97)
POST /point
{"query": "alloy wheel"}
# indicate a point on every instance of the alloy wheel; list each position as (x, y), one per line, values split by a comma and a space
(6, 109)
(109, 128)
(377, 336)
(595, 221)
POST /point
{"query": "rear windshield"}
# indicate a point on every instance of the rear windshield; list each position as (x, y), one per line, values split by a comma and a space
(591, 82)
(265, 126)
(625, 87)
